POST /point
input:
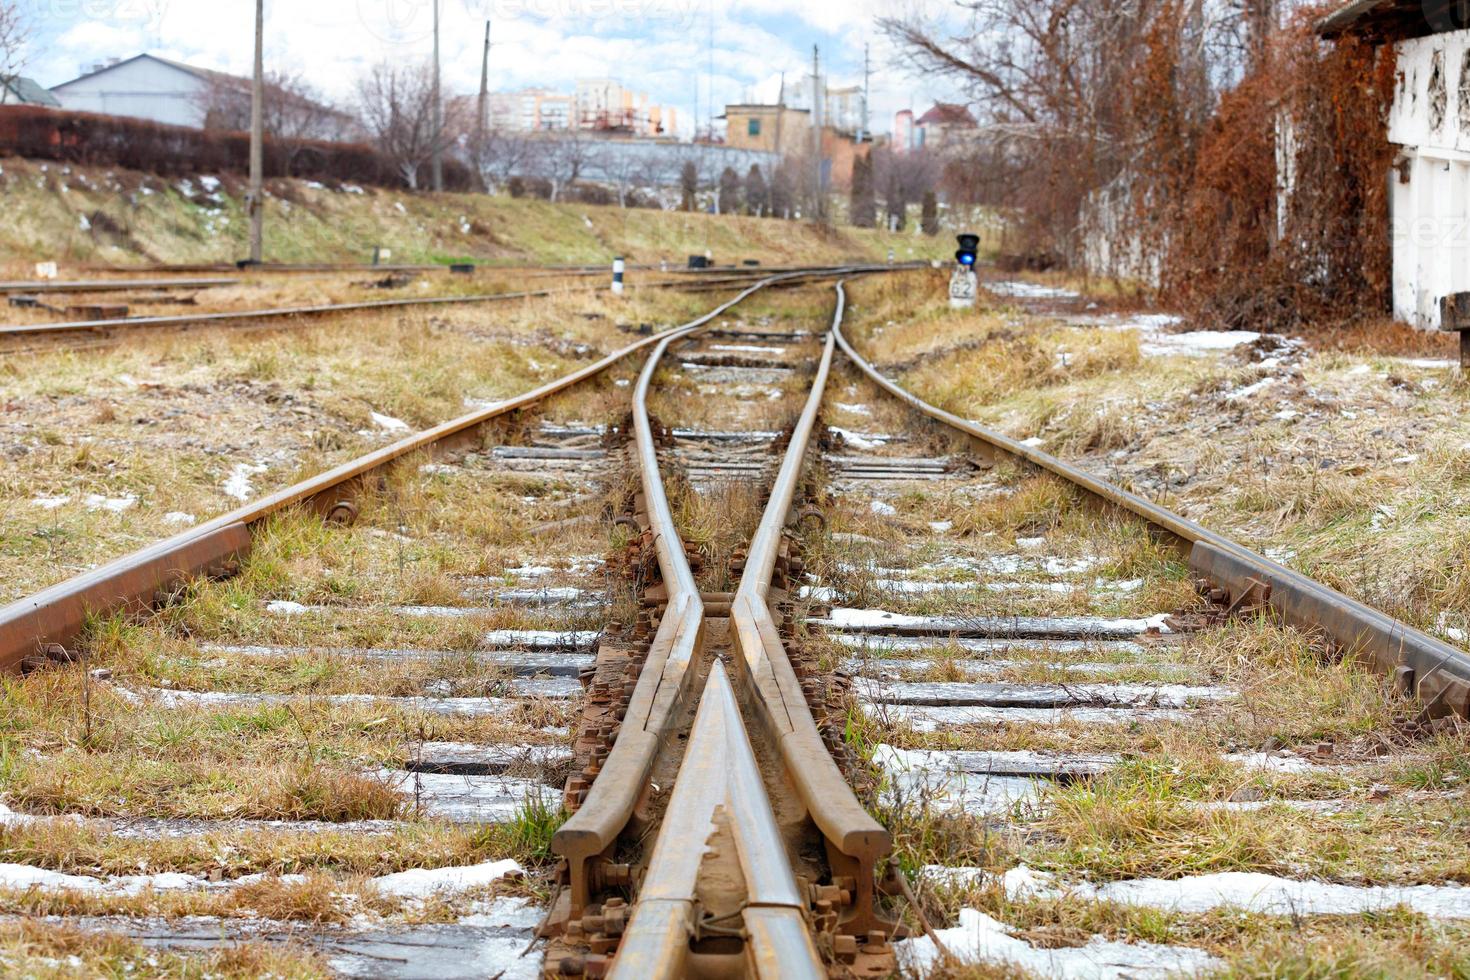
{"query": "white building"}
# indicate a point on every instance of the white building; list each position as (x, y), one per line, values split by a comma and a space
(143, 87)
(1429, 123)
(170, 92)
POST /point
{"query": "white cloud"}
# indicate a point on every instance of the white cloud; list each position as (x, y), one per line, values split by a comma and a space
(656, 46)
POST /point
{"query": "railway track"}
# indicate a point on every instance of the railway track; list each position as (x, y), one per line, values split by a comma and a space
(720, 821)
(80, 334)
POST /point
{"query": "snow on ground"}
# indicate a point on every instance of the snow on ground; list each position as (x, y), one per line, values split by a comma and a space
(388, 423)
(980, 938)
(1028, 290)
(237, 484)
(423, 882)
(1248, 891)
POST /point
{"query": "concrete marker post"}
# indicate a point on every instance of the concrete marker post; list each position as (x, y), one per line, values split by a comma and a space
(617, 280)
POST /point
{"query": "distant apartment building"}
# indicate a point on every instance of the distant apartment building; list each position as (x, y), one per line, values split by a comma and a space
(597, 105)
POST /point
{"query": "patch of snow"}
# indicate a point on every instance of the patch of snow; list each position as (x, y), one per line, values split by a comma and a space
(1427, 362)
(352, 189)
(622, 382)
(50, 503)
(1033, 442)
(1240, 394)
(116, 505)
(1030, 544)
(1028, 290)
(881, 509)
(855, 409)
(237, 485)
(1194, 343)
(285, 607)
(1269, 762)
(388, 422)
(84, 223)
(1251, 891)
(1454, 633)
(530, 571)
(424, 882)
(980, 938)
(940, 527)
(179, 517)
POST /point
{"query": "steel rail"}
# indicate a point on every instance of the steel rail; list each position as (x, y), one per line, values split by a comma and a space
(291, 312)
(855, 841)
(56, 616)
(1421, 665)
(274, 313)
(109, 285)
(663, 685)
(662, 688)
(719, 800)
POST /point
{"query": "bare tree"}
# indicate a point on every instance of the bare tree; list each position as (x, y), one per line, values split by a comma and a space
(1079, 91)
(624, 167)
(396, 103)
(13, 37)
(501, 155)
(757, 195)
(729, 195)
(565, 158)
(688, 185)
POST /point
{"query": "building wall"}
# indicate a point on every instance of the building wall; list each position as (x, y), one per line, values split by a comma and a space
(903, 131)
(1429, 198)
(791, 126)
(143, 89)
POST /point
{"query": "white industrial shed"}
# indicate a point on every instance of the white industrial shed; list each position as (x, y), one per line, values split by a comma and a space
(143, 87)
(1429, 122)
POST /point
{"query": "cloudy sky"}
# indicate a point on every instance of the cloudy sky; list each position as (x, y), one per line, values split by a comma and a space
(659, 46)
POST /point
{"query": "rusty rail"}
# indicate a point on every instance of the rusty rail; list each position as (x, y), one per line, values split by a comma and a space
(46, 623)
(727, 279)
(855, 841)
(719, 826)
(1437, 673)
(109, 285)
(664, 683)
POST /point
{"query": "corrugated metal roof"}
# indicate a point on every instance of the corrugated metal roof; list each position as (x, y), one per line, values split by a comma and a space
(1393, 20)
(20, 90)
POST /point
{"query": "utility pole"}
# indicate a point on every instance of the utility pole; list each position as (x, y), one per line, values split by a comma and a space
(255, 199)
(818, 208)
(780, 112)
(437, 163)
(867, 76)
(484, 99)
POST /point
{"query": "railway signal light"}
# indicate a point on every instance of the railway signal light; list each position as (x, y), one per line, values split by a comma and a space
(969, 246)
